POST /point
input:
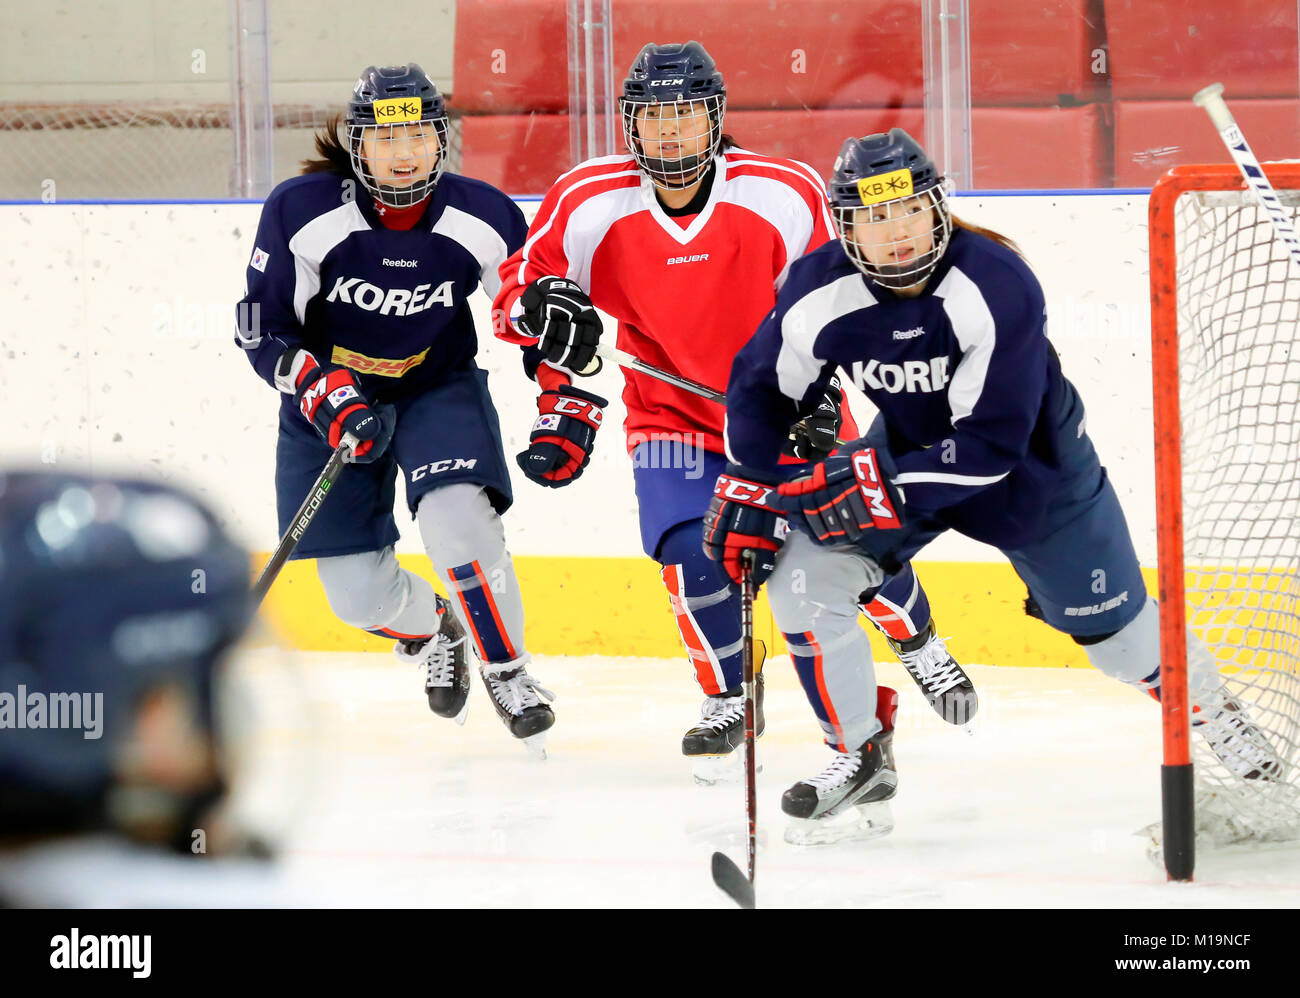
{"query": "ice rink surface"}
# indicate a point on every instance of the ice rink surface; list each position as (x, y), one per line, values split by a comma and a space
(1037, 806)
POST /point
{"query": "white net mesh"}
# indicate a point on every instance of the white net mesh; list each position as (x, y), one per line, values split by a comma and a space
(1239, 364)
(131, 150)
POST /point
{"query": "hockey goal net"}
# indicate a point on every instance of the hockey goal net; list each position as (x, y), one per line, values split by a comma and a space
(1226, 369)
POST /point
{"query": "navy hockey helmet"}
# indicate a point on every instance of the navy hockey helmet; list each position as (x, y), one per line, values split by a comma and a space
(674, 99)
(402, 119)
(109, 589)
(880, 187)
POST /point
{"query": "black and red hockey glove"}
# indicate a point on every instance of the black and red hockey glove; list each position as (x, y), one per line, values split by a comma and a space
(330, 399)
(743, 516)
(844, 497)
(560, 314)
(564, 433)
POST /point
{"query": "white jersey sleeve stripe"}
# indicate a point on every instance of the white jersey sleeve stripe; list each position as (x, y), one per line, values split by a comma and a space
(804, 171)
(946, 478)
(976, 332)
(796, 366)
(310, 244)
(482, 241)
(781, 206)
(546, 227)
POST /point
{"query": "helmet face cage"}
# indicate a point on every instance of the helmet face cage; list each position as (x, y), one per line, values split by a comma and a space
(889, 241)
(400, 163)
(673, 141)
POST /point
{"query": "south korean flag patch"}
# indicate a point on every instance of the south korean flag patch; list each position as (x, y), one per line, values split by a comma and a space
(341, 395)
(551, 421)
(260, 259)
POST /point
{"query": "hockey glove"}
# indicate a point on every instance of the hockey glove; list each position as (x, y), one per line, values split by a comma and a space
(566, 325)
(842, 499)
(814, 437)
(328, 397)
(563, 435)
(743, 516)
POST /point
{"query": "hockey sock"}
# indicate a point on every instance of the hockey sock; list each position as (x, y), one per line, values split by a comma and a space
(706, 606)
(466, 542)
(900, 607)
(1132, 655)
(372, 591)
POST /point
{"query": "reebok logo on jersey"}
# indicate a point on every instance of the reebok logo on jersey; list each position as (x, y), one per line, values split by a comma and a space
(910, 376)
(694, 258)
(395, 301)
(260, 259)
(909, 334)
(1087, 611)
(400, 263)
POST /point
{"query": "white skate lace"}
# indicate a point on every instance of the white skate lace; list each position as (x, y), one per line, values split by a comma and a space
(718, 713)
(440, 665)
(1238, 743)
(519, 692)
(839, 772)
(437, 656)
(932, 664)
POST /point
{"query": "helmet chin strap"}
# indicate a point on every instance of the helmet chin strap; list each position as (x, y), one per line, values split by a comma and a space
(658, 172)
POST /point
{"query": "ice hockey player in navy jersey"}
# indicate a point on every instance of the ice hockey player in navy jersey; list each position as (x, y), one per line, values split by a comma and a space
(942, 325)
(357, 313)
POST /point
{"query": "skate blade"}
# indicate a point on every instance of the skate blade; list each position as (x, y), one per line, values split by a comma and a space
(536, 745)
(710, 770)
(464, 712)
(857, 824)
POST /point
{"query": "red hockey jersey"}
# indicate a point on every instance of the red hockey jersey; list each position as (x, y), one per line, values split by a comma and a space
(686, 298)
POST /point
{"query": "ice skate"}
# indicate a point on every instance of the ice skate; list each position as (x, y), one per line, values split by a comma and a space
(445, 658)
(1236, 740)
(517, 698)
(847, 800)
(711, 745)
(947, 688)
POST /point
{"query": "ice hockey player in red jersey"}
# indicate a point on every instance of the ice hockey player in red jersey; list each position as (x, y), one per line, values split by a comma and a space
(685, 241)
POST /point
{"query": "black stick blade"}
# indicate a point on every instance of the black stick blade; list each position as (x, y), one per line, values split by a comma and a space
(734, 884)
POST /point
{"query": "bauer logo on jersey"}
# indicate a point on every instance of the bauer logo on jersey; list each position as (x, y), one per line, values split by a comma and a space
(396, 109)
(886, 187)
(341, 395)
(260, 259)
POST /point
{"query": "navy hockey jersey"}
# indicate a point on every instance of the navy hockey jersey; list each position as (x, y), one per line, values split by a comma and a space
(965, 379)
(390, 305)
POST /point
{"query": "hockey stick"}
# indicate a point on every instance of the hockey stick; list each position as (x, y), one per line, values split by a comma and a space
(1211, 98)
(316, 496)
(624, 359)
(725, 873)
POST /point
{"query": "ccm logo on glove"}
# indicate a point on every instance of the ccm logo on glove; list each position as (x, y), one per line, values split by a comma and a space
(866, 468)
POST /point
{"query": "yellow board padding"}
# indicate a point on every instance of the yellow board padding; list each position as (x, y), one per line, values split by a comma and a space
(618, 606)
